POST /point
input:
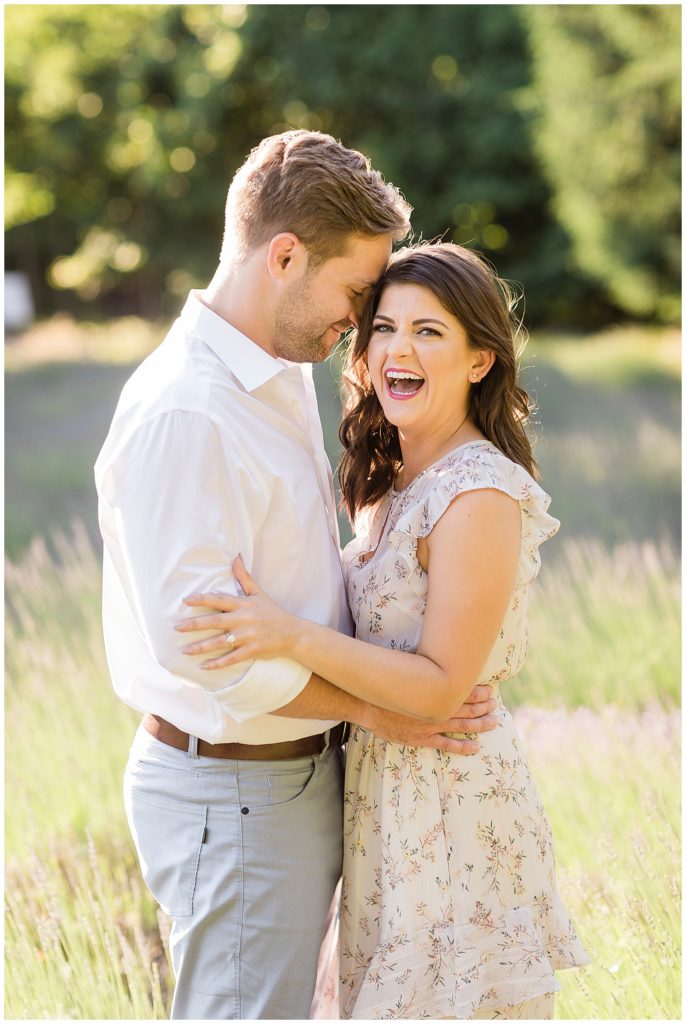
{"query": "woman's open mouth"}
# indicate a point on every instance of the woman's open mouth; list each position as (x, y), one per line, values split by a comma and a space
(403, 384)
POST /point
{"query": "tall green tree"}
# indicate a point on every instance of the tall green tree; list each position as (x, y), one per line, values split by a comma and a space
(433, 94)
(116, 166)
(607, 83)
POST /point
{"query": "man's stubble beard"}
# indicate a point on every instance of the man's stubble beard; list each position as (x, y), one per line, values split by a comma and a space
(297, 339)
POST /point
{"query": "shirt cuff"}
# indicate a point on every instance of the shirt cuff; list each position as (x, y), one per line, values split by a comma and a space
(266, 686)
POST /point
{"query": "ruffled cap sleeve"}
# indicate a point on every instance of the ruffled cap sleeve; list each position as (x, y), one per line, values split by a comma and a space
(472, 469)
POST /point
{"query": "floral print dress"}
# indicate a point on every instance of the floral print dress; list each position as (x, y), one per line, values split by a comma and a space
(449, 906)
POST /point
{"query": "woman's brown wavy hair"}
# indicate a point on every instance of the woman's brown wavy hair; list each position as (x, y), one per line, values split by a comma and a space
(467, 287)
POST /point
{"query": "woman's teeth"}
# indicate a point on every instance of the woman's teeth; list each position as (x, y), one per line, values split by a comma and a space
(402, 384)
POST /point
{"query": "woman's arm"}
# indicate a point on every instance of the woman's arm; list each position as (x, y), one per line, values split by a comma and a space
(472, 558)
(321, 699)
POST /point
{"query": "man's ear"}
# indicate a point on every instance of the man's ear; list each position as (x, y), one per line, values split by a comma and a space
(286, 257)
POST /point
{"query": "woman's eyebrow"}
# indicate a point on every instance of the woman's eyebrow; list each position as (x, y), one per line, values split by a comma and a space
(425, 320)
(430, 320)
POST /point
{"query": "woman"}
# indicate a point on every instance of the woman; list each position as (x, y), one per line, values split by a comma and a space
(449, 907)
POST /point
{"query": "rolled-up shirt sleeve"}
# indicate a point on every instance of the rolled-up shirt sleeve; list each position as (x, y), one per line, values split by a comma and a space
(178, 503)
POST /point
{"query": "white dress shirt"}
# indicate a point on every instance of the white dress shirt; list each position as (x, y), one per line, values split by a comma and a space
(215, 450)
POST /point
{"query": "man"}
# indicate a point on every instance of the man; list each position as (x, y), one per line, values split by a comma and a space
(233, 788)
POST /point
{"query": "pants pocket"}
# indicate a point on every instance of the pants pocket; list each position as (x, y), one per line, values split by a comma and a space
(288, 785)
(268, 785)
(168, 835)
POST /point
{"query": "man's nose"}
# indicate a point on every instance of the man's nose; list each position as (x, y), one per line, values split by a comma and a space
(358, 304)
(355, 312)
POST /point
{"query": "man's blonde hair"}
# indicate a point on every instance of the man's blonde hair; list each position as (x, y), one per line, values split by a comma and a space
(309, 184)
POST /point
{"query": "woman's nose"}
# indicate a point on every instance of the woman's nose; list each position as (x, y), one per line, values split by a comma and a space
(399, 343)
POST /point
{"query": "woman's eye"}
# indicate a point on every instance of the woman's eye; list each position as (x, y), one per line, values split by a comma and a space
(430, 330)
(381, 328)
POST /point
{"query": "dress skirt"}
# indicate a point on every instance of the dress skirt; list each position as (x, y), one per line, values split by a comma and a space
(449, 906)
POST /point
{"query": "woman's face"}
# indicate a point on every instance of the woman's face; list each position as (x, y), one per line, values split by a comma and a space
(420, 361)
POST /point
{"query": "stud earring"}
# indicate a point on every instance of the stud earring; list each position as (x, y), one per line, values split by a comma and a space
(475, 377)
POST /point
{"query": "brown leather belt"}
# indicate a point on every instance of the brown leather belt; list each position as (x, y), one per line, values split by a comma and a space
(173, 737)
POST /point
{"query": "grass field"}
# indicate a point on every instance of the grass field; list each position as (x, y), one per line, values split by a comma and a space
(607, 439)
(597, 703)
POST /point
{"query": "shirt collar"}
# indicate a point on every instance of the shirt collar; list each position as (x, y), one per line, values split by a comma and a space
(249, 363)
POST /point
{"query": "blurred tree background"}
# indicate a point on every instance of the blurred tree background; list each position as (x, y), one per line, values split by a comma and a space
(546, 136)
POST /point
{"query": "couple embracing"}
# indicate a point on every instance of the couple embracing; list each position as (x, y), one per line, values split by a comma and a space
(258, 653)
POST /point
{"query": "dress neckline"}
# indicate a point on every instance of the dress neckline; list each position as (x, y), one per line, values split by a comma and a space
(432, 465)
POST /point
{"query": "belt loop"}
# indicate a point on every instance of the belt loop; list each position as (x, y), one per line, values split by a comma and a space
(342, 728)
(327, 739)
(193, 746)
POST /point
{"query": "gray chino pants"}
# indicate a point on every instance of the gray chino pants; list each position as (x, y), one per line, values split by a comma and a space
(244, 856)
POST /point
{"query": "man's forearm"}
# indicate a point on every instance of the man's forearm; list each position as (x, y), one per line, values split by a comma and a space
(321, 699)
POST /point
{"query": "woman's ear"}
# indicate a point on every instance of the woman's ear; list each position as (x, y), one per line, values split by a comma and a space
(482, 363)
